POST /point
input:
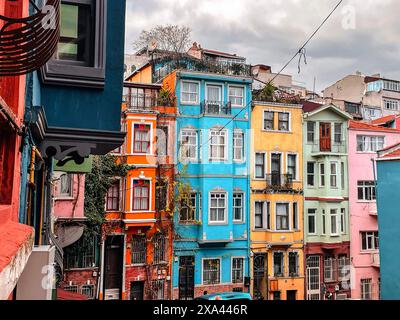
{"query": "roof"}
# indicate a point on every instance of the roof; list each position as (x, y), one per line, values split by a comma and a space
(357, 125)
(393, 154)
(390, 153)
(309, 106)
(384, 120)
(137, 70)
(220, 53)
(66, 295)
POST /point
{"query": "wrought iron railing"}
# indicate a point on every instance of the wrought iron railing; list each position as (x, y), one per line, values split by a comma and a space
(140, 101)
(27, 43)
(279, 181)
(216, 107)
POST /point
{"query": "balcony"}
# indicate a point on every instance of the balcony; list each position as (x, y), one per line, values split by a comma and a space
(216, 108)
(372, 209)
(140, 102)
(279, 182)
(320, 149)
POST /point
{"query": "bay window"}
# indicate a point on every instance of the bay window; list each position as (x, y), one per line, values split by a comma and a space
(189, 147)
(141, 195)
(217, 207)
(282, 216)
(218, 145)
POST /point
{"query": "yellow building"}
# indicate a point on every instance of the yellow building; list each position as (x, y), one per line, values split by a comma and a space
(277, 268)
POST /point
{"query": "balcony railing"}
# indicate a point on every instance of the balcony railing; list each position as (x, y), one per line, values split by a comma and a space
(279, 182)
(216, 107)
(376, 260)
(140, 102)
(333, 148)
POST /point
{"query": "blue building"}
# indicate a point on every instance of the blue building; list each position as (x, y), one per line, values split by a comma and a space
(388, 181)
(211, 246)
(73, 110)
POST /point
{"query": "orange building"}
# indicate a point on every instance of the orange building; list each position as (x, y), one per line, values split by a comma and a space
(137, 250)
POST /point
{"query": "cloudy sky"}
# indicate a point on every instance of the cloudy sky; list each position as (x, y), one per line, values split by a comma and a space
(362, 35)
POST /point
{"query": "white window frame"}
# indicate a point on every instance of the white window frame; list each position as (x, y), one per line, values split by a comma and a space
(334, 233)
(314, 215)
(283, 263)
(243, 96)
(273, 120)
(296, 178)
(333, 174)
(368, 141)
(235, 147)
(323, 222)
(289, 122)
(236, 193)
(151, 149)
(289, 216)
(225, 208)
(202, 270)
(226, 144)
(196, 134)
(297, 253)
(197, 93)
(297, 216)
(243, 270)
(313, 132)
(255, 165)
(150, 194)
(70, 178)
(366, 284)
(391, 104)
(221, 91)
(320, 175)
(343, 221)
(266, 213)
(314, 174)
(369, 234)
(364, 187)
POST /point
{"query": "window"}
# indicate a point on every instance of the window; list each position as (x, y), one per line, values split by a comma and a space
(342, 175)
(158, 288)
(238, 203)
(278, 264)
(112, 201)
(391, 85)
(161, 195)
(189, 145)
(141, 138)
(292, 166)
(343, 221)
(295, 217)
(276, 295)
(159, 249)
(282, 216)
(283, 121)
(370, 143)
(261, 215)
(311, 213)
(237, 270)
(343, 267)
(236, 96)
(218, 207)
(392, 105)
(138, 251)
(369, 241)
(366, 190)
(293, 264)
(334, 174)
(218, 145)
(162, 141)
(310, 132)
(311, 174)
(141, 195)
(322, 175)
(338, 133)
(366, 289)
(238, 145)
(323, 222)
(211, 271)
(188, 209)
(65, 186)
(88, 290)
(260, 166)
(329, 269)
(334, 222)
(190, 92)
(269, 120)
(81, 53)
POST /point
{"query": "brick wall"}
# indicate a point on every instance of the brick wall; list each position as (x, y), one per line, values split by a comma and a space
(80, 277)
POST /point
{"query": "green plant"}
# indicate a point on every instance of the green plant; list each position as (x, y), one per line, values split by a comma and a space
(165, 98)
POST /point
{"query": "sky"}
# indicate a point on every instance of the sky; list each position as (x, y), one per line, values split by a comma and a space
(362, 35)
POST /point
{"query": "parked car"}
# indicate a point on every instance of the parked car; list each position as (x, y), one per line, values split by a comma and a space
(226, 296)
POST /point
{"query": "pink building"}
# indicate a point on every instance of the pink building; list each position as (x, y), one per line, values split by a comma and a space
(364, 141)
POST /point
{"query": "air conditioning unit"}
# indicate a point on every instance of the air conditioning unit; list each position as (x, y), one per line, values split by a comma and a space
(341, 296)
(111, 294)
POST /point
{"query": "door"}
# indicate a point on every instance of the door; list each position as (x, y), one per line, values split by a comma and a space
(113, 267)
(260, 274)
(214, 99)
(137, 290)
(291, 295)
(186, 278)
(313, 278)
(325, 136)
(276, 169)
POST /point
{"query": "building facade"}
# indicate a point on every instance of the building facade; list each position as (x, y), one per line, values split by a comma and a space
(326, 205)
(364, 142)
(211, 246)
(276, 202)
(388, 179)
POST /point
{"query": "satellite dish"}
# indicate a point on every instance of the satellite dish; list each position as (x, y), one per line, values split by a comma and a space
(153, 44)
